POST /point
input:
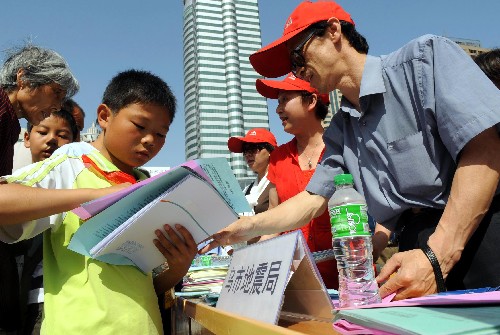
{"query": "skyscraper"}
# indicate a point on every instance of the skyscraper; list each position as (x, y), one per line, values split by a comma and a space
(220, 99)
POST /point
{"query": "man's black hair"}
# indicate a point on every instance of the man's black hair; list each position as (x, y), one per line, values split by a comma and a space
(355, 39)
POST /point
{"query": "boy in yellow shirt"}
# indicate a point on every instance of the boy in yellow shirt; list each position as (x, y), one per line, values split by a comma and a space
(83, 295)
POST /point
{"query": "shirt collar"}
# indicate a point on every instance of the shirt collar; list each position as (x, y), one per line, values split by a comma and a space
(372, 82)
(101, 166)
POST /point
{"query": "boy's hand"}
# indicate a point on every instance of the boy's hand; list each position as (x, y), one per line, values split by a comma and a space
(179, 252)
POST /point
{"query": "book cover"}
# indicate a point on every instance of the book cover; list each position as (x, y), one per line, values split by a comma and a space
(122, 233)
(428, 320)
(215, 170)
(455, 312)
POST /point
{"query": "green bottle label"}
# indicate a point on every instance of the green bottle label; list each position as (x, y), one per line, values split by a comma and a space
(349, 220)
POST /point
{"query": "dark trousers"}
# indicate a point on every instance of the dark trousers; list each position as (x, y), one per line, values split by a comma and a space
(479, 265)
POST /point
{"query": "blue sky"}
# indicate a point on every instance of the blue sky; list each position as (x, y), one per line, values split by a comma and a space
(100, 38)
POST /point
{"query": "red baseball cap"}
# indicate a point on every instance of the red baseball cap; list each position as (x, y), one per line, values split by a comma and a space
(255, 135)
(273, 60)
(271, 88)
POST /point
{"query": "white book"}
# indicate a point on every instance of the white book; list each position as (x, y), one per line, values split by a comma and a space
(192, 202)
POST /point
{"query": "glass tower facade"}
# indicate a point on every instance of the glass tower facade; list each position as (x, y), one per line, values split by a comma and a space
(220, 99)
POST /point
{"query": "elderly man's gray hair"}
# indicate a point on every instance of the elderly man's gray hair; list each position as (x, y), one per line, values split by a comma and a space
(41, 66)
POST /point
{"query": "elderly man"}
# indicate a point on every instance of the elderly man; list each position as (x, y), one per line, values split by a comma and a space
(418, 130)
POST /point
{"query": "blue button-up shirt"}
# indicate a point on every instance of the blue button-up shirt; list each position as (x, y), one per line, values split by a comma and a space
(419, 106)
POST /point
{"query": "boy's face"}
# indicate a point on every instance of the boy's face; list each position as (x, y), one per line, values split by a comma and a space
(134, 135)
(51, 133)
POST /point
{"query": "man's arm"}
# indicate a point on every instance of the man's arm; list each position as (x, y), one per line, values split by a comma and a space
(380, 240)
(273, 202)
(291, 214)
(19, 203)
(472, 190)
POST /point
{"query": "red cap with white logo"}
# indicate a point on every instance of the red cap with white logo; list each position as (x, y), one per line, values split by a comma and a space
(271, 88)
(255, 135)
(273, 60)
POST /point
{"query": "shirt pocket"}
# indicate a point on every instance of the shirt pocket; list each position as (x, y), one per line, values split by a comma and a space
(411, 169)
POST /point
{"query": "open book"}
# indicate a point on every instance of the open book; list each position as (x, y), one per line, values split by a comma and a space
(121, 226)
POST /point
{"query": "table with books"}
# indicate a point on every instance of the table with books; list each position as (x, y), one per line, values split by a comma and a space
(194, 312)
(192, 316)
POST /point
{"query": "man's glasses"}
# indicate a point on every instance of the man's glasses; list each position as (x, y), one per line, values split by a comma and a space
(251, 149)
(297, 57)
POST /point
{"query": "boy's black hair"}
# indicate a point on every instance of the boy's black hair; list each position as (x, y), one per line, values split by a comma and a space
(142, 87)
(321, 108)
(70, 105)
(355, 39)
(65, 115)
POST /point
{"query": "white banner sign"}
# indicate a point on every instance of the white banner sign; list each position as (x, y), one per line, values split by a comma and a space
(272, 277)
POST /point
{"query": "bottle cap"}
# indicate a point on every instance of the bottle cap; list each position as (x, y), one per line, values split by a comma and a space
(343, 179)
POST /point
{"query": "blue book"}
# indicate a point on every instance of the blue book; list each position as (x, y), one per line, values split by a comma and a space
(122, 233)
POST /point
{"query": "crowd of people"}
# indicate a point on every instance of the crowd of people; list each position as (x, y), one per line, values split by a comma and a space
(418, 129)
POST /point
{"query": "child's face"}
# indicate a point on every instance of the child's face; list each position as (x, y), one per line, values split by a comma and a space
(134, 135)
(51, 133)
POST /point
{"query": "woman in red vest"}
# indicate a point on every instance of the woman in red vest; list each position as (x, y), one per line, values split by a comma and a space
(301, 110)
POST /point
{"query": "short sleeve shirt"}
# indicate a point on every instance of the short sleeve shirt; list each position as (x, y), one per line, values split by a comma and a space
(83, 295)
(419, 107)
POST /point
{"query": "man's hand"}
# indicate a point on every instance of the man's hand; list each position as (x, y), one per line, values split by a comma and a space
(409, 274)
(238, 231)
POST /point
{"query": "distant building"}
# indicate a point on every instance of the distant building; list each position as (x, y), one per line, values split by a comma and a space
(335, 97)
(471, 47)
(220, 99)
(91, 134)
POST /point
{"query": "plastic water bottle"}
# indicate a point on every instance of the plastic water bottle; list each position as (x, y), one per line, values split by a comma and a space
(352, 245)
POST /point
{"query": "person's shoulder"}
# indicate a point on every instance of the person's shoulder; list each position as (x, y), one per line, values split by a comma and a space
(430, 41)
(281, 152)
(417, 48)
(283, 149)
(57, 167)
(75, 149)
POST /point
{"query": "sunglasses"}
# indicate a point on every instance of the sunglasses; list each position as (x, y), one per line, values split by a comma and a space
(297, 57)
(252, 149)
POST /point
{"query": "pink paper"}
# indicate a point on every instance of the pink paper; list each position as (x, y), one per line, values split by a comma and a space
(437, 300)
(345, 327)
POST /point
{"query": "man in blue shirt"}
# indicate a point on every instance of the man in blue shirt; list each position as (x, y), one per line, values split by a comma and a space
(417, 129)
